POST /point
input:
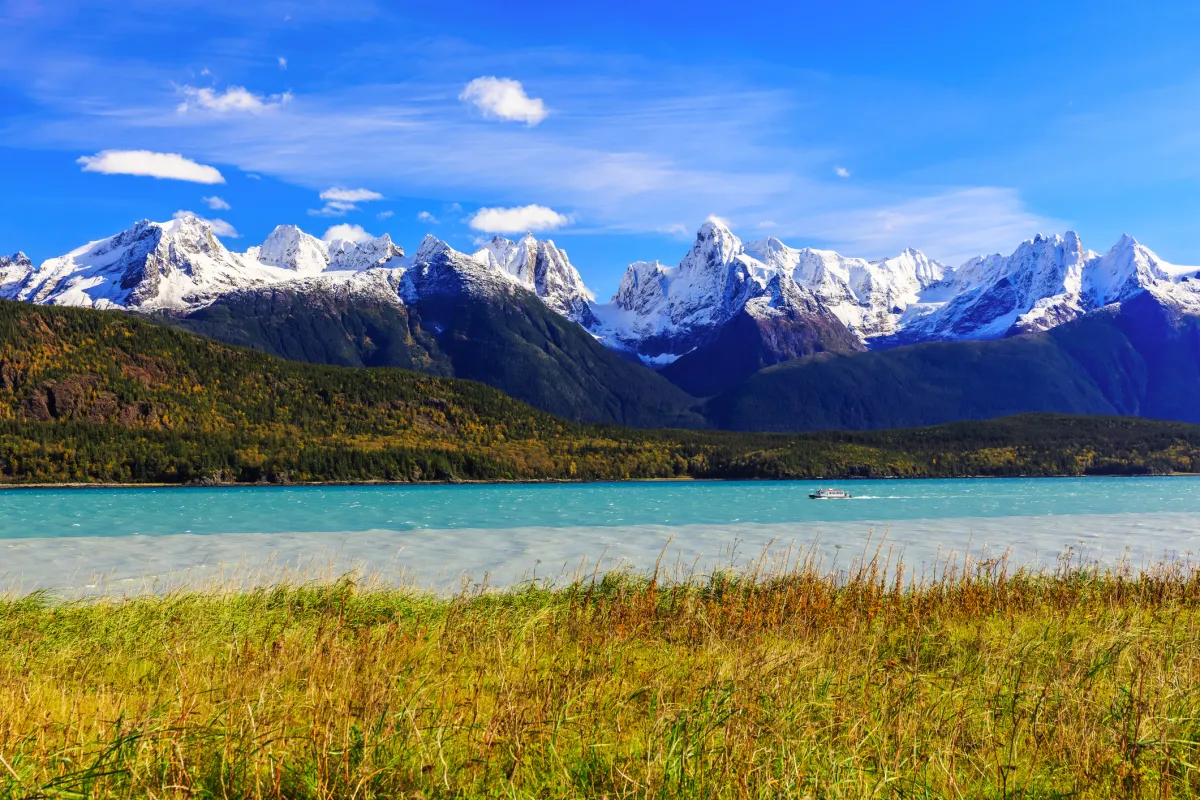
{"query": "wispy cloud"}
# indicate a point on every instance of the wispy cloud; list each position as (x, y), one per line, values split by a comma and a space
(172, 166)
(385, 214)
(334, 208)
(235, 99)
(614, 158)
(842, 172)
(517, 220)
(216, 203)
(339, 202)
(427, 218)
(282, 62)
(350, 195)
(504, 98)
(952, 226)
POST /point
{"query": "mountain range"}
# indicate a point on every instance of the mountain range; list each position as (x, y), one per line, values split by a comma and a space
(752, 336)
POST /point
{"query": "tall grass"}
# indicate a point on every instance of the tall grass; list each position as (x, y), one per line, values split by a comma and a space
(782, 682)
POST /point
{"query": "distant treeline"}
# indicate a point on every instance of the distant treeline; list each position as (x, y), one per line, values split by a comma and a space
(94, 397)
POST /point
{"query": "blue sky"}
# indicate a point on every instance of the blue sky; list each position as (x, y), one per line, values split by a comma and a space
(956, 128)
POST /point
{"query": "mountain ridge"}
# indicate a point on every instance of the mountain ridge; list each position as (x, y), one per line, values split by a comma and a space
(658, 313)
(731, 317)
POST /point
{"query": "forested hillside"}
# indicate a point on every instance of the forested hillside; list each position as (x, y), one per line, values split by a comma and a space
(512, 342)
(92, 396)
(1142, 359)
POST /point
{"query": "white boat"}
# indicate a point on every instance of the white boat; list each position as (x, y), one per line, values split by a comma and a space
(830, 494)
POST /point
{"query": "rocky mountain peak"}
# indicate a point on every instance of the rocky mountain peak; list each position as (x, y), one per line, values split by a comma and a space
(360, 254)
(429, 248)
(290, 248)
(14, 271)
(715, 247)
(17, 259)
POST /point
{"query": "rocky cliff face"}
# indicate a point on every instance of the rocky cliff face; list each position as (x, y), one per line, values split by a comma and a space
(543, 268)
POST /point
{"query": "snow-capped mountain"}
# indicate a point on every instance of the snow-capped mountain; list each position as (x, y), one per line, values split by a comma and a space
(1045, 282)
(181, 265)
(660, 312)
(13, 270)
(781, 301)
(868, 296)
(377, 252)
(543, 268)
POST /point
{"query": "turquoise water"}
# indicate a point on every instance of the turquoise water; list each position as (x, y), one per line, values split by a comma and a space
(32, 513)
(84, 541)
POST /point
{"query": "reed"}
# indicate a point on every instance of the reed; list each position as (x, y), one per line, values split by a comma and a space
(781, 680)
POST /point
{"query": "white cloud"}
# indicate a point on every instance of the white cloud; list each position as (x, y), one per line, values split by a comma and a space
(234, 99)
(426, 217)
(517, 220)
(842, 172)
(454, 208)
(216, 203)
(613, 157)
(767, 223)
(350, 195)
(219, 226)
(148, 163)
(718, 220)
(384, 214)
(282, 62)
(503, 98)
(340, 201)
(350, 233)
(334, 209)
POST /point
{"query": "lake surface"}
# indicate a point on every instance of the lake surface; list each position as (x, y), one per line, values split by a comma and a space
(86, 540)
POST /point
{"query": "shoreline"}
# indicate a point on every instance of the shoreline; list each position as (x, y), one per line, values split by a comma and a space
(563, 481)
(438, 558)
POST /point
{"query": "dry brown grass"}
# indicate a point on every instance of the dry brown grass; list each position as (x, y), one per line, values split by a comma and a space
(776, 683)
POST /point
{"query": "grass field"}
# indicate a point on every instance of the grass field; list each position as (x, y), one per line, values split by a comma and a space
(786, 682)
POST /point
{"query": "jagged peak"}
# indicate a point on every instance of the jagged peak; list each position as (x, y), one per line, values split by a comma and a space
(1126, 242)
(715, 245)
(430, 247)
(288, 247)
(289, 233)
